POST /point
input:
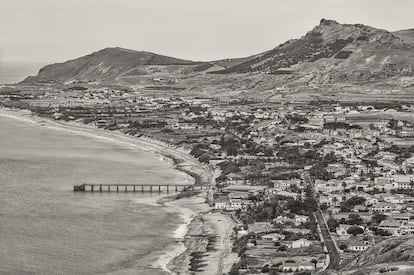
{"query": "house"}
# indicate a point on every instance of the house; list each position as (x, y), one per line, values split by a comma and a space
(342, 229)
(401, 217)
(294, 267)
(242, 233)
(395, 199)
(359, 208)
(330, 200)
(358, 245)
(273, 237)
(299, 219)
(385, 207)
(296, 230)
(220, 205)
(404, 181)
(283, 220)
(407, 228)
(285, 184)
(236, 204)
(328, 186)
(391, 226)
(300, 243)
(261, 227)
(365, 216)
(288, 194)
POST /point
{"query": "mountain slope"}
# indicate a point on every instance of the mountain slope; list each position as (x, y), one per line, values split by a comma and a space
(334, 52)
(407, 35)
(106, 64)
(395, 252)
(330, 54)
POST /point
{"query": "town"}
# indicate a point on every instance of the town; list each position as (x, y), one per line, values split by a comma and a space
(309, 184)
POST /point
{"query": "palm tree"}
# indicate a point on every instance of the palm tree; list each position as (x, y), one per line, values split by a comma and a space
(335, 200)
(314, 261)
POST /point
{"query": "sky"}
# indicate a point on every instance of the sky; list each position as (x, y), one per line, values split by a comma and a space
(58, 30)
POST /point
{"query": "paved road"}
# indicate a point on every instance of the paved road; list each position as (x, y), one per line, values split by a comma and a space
(327, 239)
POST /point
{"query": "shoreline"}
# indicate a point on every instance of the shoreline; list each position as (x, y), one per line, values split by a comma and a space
(190, 207)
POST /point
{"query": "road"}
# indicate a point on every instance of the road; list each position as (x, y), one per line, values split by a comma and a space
(327, 239)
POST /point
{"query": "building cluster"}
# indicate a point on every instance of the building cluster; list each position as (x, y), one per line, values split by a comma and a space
(279, 163)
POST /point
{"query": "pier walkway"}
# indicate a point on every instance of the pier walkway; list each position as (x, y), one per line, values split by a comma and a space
(152, 188)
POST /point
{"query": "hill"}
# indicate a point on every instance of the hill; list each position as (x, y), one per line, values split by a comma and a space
(394, 252)
(333, 52)
(330, 61)
(407, 35)
(107, 64)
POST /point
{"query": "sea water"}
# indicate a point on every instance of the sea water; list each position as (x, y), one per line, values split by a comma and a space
(46, 228)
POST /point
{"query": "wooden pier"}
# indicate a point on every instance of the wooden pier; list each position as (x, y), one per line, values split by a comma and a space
(142, 188)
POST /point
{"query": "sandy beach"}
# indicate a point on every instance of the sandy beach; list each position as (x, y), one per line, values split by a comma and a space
(203, 240)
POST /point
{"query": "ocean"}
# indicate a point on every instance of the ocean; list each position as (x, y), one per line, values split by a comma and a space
(46, 228)
(13, 72)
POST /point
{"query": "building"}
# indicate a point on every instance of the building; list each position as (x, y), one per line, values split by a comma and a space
(299, 219)
(342, 230)
(285, 184)
(300, 243)
(407, 228)
(273, 237)
(358, 245)
(391, 226)
(385, 207)
(220, 205)
(294, 267)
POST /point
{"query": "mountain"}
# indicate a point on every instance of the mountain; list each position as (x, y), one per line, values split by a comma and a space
(407, 35)
(107, 64)
(351, 55)
(333, 52)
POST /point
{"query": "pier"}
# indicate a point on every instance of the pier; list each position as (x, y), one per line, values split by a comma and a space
(151, 188)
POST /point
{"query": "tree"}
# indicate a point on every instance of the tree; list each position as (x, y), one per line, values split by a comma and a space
(355, 230)
(314, 261)
(282, 248)
(332, 224)
(354, 219)
(378, 218)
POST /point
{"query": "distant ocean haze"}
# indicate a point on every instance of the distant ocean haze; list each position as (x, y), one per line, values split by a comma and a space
(14, 72)
(46, 228)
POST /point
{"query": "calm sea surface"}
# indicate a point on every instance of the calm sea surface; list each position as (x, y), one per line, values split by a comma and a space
(46, 228)
(13, 72)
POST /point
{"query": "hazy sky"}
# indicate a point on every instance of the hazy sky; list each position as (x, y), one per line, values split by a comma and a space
(57, 30)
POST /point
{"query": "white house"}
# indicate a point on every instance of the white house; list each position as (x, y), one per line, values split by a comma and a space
(300, 243)
(342, 230)
(220, 205)
(358, 245)
(299, 219)
(293, 267)
(385, 207)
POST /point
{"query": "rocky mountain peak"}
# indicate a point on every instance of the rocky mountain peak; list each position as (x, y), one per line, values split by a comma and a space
(328, 22)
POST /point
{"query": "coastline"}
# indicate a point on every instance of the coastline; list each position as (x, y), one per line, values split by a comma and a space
(192, 208)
